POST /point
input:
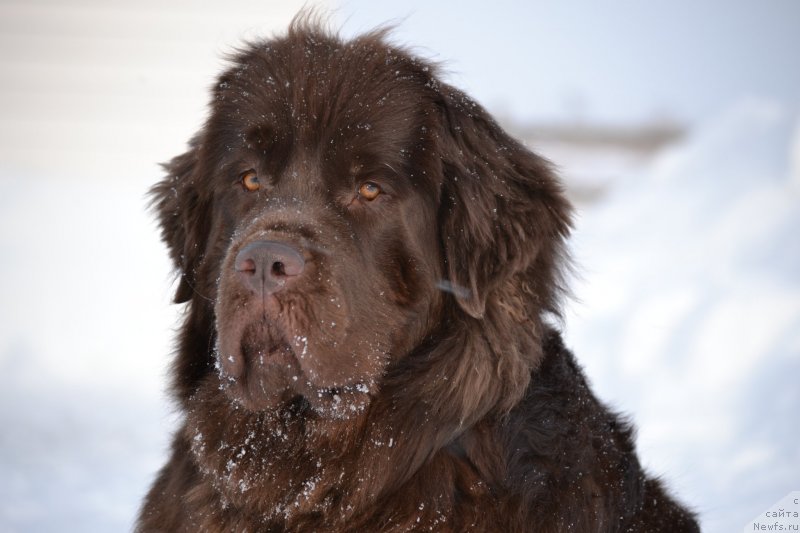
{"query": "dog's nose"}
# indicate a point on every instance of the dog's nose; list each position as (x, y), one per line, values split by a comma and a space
(268, 266)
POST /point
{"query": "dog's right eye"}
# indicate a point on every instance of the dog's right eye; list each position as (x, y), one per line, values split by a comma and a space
(250, 181)
(369, 191)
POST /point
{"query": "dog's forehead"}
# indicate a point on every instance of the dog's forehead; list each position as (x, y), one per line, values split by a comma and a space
(335, 96)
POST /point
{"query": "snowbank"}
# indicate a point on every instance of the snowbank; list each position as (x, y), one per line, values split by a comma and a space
(690, 311)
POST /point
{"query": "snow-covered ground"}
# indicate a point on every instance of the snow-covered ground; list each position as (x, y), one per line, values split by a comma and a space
(84, 337)
(689, 312)
(688, 319)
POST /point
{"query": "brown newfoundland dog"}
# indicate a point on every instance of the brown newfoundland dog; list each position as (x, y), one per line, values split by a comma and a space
(372, 269)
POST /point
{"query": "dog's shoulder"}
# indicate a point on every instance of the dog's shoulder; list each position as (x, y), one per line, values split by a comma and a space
(562, 444)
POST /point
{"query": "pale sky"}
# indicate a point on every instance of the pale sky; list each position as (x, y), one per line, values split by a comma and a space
(97, 84)
(617, 61)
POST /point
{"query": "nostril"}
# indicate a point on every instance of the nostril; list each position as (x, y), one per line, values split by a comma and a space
(246, 266)
(278, 269)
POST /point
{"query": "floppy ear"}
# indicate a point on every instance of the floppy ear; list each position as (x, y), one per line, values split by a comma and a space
(503, 211)
(184, 228)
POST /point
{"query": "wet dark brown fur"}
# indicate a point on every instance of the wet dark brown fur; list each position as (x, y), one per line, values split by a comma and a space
(409, 378)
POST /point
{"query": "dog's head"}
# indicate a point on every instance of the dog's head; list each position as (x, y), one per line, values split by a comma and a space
(341, 206)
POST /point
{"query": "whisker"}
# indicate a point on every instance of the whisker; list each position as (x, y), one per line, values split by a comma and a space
(194, 289)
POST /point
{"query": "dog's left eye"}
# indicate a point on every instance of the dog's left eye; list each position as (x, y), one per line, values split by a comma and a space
(250, 181)
(369, 191)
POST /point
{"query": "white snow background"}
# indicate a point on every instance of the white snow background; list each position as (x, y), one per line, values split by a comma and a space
(687, 315)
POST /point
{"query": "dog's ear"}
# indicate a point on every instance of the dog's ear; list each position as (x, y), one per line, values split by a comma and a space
(180, 210)
(503, 210)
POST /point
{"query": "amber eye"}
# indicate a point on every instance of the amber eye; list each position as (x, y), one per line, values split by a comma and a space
(250, 181)
(369, 191)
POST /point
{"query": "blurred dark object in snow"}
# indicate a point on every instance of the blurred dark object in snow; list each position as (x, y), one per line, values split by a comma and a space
(591, 156)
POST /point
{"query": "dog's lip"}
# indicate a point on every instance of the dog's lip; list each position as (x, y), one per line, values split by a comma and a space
(269, 347)
(262, 356)
(275, 350)
(249, 345)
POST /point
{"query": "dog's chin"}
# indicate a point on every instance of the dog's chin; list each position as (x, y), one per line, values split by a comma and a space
(258, 377)
(265, 374)
(273, 389)
(340, 403)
